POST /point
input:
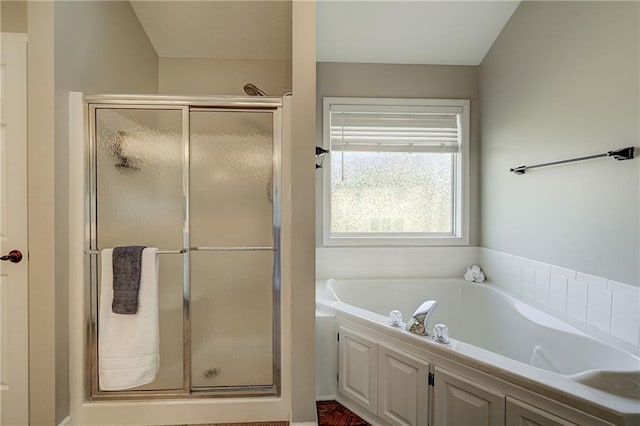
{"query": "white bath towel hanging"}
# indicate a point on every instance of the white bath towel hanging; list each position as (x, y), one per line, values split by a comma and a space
(129, 345)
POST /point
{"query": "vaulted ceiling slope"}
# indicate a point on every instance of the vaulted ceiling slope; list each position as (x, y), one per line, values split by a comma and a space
(240, 29)
(447, 32)
(410, 32)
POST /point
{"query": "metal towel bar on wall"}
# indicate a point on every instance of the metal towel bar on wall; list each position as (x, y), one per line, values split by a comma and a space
(618, 154)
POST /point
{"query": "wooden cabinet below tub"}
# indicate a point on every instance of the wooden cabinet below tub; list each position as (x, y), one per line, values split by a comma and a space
(403, 388)
(459, 401)
(391, 386)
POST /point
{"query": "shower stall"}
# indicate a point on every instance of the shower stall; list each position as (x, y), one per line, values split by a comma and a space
(199, 178)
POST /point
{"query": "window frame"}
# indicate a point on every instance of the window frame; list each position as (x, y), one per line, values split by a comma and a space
(460, 236)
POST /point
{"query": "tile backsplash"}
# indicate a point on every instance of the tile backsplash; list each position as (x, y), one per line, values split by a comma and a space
(605, 305)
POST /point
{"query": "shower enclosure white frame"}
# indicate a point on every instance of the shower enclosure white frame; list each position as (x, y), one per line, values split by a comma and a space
(90, 265)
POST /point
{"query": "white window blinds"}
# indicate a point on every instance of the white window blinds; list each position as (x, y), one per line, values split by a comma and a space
(386, 128)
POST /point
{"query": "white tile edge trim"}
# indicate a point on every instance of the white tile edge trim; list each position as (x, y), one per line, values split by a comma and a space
(498, 268)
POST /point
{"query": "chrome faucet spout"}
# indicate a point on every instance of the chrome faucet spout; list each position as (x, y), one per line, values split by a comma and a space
(418, 322)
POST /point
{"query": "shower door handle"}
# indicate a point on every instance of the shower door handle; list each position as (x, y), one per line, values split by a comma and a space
(14, 256)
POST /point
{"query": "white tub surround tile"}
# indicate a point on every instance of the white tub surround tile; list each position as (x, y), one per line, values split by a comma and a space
(626, 307)
(539, 266)
(577, 290)
(542, 296)
(600, 306)
(600, 298)
(398, 262)
(495, 265)
(599, 318)
(528, 274)
(558, 301)
(521, 260)
(592, 280)
(542, 286)
(626, 289)
(528, 290)
(577, 309)
(624, 329)
(515, 283)
(563, 272)
(558, 283)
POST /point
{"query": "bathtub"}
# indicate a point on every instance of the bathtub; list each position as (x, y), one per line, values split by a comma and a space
(497, 333)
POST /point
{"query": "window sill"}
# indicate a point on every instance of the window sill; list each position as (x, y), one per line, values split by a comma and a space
(394, 242)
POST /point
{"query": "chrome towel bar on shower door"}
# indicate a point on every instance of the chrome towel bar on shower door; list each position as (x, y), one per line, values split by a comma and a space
(97, 251)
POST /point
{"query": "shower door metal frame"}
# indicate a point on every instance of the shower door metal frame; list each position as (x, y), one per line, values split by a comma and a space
(185, 105)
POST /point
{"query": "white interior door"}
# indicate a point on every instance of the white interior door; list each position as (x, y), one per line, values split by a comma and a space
(13, 231)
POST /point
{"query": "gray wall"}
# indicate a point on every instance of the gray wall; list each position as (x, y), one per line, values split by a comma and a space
(100, 47)
(561, 81)
(13, 16)
(200, 76)
(403, 81)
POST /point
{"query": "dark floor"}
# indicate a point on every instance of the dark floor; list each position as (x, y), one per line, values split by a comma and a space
(331, 413)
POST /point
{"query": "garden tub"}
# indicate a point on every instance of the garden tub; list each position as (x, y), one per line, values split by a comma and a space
(498, 333)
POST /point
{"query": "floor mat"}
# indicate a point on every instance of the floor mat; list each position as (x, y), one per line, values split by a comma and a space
(332, 413)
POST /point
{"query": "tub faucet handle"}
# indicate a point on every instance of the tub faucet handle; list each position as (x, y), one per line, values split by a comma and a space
(418, 322)
(441, 334)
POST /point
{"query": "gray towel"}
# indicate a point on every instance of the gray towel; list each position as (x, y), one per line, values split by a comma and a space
(127, 264)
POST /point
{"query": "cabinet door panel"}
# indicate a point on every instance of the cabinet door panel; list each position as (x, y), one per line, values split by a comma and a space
(459, 401)
(523, 414)
(403, 388)
(358, 378)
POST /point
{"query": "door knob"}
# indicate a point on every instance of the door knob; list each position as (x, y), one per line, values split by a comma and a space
(14, 256)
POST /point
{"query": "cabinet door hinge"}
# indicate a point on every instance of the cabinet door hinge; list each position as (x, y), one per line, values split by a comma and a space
(338, 337)
(431, 379)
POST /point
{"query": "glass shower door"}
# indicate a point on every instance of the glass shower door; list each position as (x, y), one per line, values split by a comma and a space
(140, 201)
(201, 183)
(233, 262)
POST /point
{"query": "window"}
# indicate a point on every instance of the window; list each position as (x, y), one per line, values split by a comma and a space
(396, 172)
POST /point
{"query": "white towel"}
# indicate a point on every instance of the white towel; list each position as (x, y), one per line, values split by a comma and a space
(129, 345)
(474, 274)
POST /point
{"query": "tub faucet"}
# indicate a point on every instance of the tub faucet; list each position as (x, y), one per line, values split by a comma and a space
(418, 322)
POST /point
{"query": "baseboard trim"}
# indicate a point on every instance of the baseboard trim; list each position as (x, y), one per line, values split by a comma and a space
(326, 397)
(65, 422)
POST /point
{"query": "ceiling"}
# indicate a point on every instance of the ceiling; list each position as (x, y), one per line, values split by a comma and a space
(239, 29)
(410, 32)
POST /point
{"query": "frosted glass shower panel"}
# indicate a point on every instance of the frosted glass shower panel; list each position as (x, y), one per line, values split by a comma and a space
(231, 318)
(231, 178)
(140, 201)
(139, 177)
